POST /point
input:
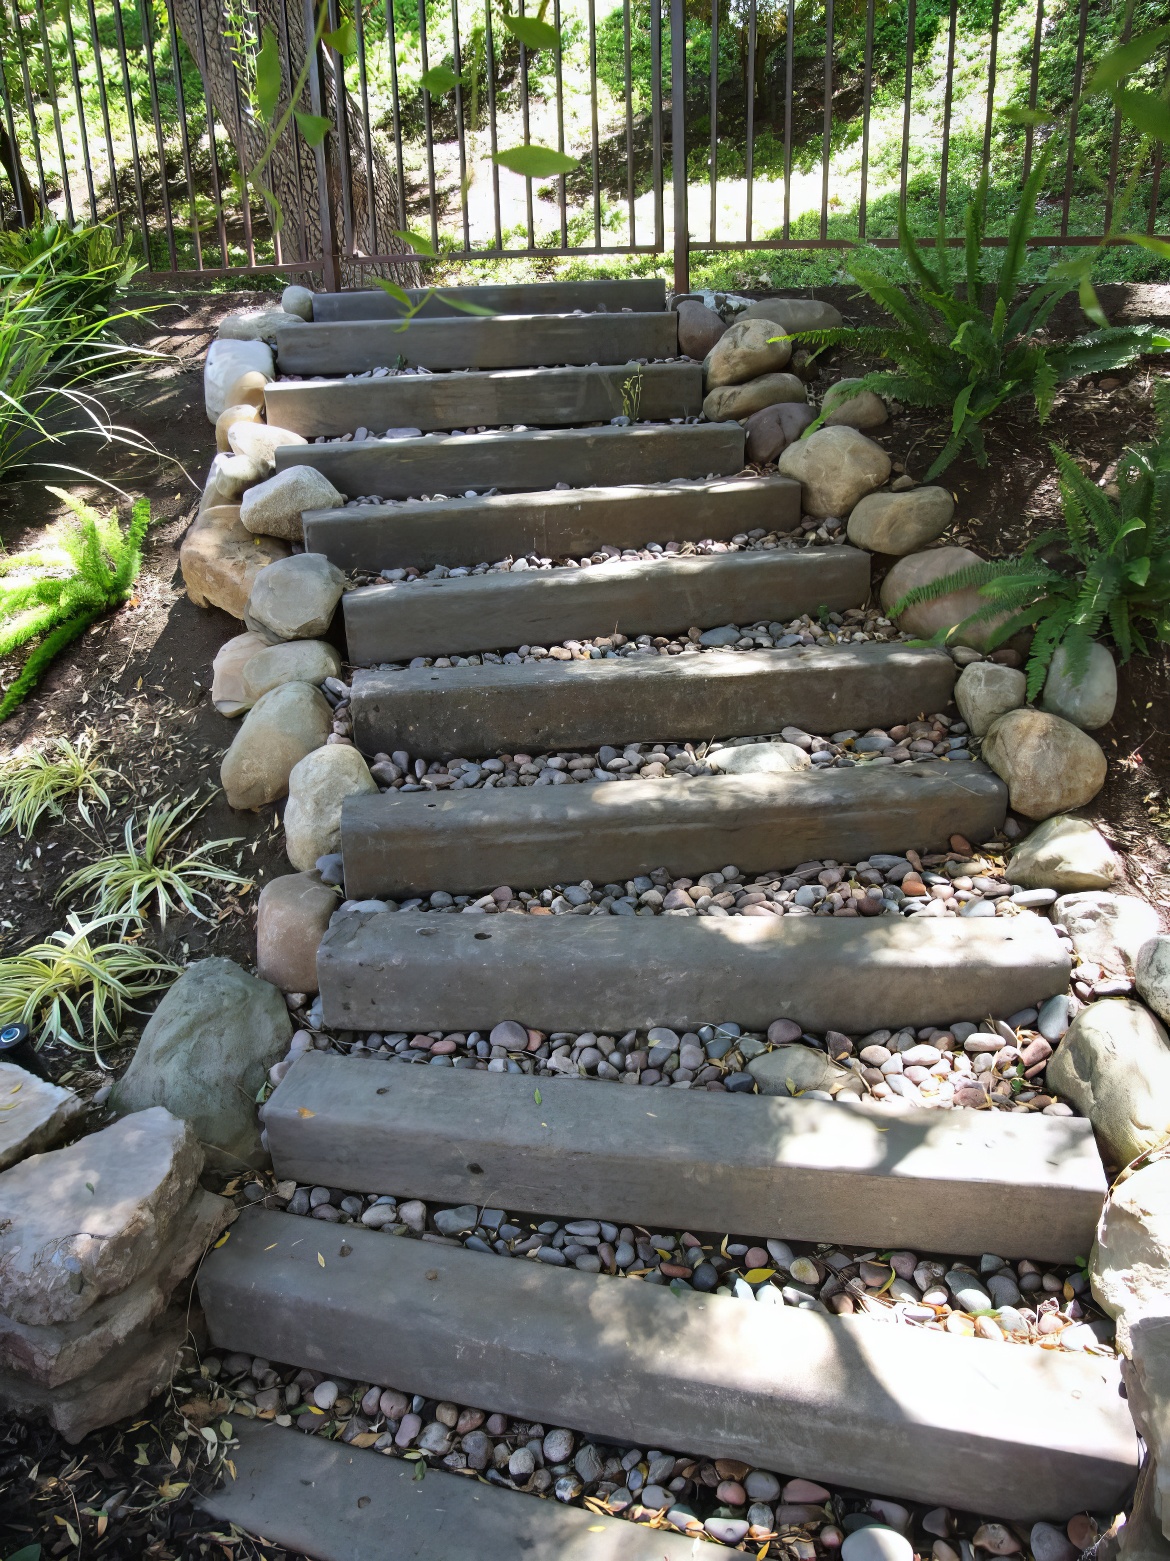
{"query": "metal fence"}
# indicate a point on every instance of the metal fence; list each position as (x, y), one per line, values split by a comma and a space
(699, 126)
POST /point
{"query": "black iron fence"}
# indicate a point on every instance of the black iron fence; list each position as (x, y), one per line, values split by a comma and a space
(697, 126)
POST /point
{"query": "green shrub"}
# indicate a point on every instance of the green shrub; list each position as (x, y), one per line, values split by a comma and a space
(1112, 569)
(83, 267)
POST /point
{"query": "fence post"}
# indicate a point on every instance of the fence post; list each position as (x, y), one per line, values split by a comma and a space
(330, 266)
(678, 145)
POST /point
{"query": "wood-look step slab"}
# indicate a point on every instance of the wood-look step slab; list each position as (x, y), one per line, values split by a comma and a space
(336, 1502)
(506, 341)
(548, 397)
(468, 842)
(1025, 1433)
(396, 621)
(440, 712)
(555, 524)
(644, 295)
(405, 970)
(803, 1170)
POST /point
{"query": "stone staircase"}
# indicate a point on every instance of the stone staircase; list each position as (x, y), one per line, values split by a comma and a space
(913, 1413)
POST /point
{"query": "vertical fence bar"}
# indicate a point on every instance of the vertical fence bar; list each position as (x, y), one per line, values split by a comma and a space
(524, 108)
(128, 96)
(947, 105)
(184, 139)
(678, 145)
(1033, 80)
(1070, 161)
(595, 143)
(1115, 145)
(827, 136)
(216, 187)
(750, 122)
(629, 123)
(51, 78)
(330, 264)
(30, 108)
(1155, 187)
(656, 114)
(911, 34)
(866, 110)
(291, 71)
(371, 202)
(156, 118)
(396, 114)
(344, 150)
(459, 128)
(104, 104)
(560, 86)
(992, 57)
(713, 156)
(490, 54)
(26, 217)
(789, 28)
(426, 97)
(82, 127)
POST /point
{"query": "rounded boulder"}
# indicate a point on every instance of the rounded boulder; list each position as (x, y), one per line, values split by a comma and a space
(741, 401)
(925, 619)
(317, 786)
(985, 690)
(772, 430)
(900, 523)
(699, 328)
(296, 661)
(835, 468)
(283, 726)
(1063, 853)
(845, 406)
(745, 351)
(1050, 766)
(1087, 701)
(296, 598)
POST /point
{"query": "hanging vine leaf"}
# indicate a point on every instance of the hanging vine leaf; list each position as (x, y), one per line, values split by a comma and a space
(399, 294)
(531, 32)
(314, 127)
(418, 242)
(1123, 61)
(343, 39)
(1150, 113)
(440, 79)
(535, 162)
(268, 76)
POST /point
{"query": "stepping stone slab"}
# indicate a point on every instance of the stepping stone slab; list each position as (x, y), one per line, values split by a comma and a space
(503, 342)
(404, 843)
(541, 607)
(1025, 1433)
(553, 523)
(550, 397)
(535, 459)
(643, 295)
(84, 1222)
(940, 1182)
(532, 707)
(396, 971)
(282, 1477)
(34, 1114)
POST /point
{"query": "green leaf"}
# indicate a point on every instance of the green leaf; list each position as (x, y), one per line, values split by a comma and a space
(1139, 571)
(440, 79)
(1157, 246)
(533, 34)
(399, 294)
(1090, 303)
(536, 1096)
(1128, 57)
(1151, 114)
(420, 1470)
(343, 39)
(1019, 115)
(535, 162)
(418, 242)
(313, 127)
(268, 76)
(466, 308)
(29, 1553)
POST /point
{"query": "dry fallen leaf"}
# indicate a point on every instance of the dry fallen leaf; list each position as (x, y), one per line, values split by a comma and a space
(303, 1111)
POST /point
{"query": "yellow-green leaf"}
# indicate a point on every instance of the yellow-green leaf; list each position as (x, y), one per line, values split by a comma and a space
(1148, 111)
(418, 242)
(439, 79)
(268, 75)
(531, 32)
(313, 127)
(756, 1276)
(1090, 302)
(1128, 57)
(535, 162)
(343, 39)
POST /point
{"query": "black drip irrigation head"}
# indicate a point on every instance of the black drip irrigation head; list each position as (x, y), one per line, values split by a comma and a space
(15, 1046)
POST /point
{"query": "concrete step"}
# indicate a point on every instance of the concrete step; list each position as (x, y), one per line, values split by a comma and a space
(642, 295)
(954, 1181)
(408, 971)
(468, 842)
(1025, 1433)
(554, 524)
(505, 341)
(334, 1502)
(527, 462)
(393, 622)
(439, 712)
(549, 397)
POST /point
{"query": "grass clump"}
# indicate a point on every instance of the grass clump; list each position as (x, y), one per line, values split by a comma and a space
(77, 985)
(86, 570)
(155, 871)
(34, 783)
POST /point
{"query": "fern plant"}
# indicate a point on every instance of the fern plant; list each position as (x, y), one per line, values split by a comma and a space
(97, 566)
(1118, 566)
(949, 352)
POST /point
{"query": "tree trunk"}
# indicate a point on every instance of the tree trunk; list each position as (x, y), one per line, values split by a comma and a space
(24, 197)
(364, 225)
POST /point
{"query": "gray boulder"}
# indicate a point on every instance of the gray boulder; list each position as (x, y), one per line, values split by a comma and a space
(1113, 1066)
(1109, 930)
(835, 467)
(34, 1114)
(204, 1055)
(317, 787)
(794, 314)
(847, 407)
(227, 673)
(296, 661)
(759, 759)
(1089, 702)
(793, 1070)
(745, 351)
(254, 324)
(1050, 766)
(774, 428)
(297, 300)
(283, 726)
(985, 690)
(225, 363)
(291, 919)
(1063, 853)
(295, 599)
(925, 619)
(274, 508)
(259, 442)
(1152, 974)
(900, 523)
(699, 328)
(741, 401)
(1131, 1257)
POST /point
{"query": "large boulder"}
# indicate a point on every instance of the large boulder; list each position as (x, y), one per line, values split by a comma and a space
(985, 690)
(699, 328)
(84, 1222)
(274, 508)
(1063, 853)
(925, 619)
(317, 787)
(291, 919)
(296, 598)
(1146, 1374)
(34, 1114)
(249, 389)
(1089, 701)
(204, 1055)
(234, 412)
(1131, 1257)
(794, 314)
(228, 694)
(226, 362)
(835, 467)
(794, 1070)
(774, 428)
(740, 401)
(1114, 1067)
(283, 726)
(845, 406)
(295, 661)
(260, 442)
(220, 559)
(228, 478)
(900, 523)
(1109, 930)
(759, 759)
(1049, 765)
(297, 300)
(254, 324)
(745, 351)
(1151, 974)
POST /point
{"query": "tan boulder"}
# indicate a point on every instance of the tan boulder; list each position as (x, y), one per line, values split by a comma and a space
(226, 361)
(745, 351)
(847, 407)
(281, 728)
(740, 401)
(835, 467)
(295, 661)
(227, 673)
(795, 314)
(317, 787)
(291, 919)
(1050, 766)
(773, 429)
(900, 523)
(1131, 1258)
(1063, 853)
(220, 558)
(247, 389)
(239, 412)
(985, 690)
(925, 619)
(259, 442)
(1114, 1067)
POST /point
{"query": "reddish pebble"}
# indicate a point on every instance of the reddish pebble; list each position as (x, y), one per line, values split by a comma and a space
(469, 1420)
(757, 1257)
(781, 1032)
(497, 1425)
(1081, 1530)
(731, 1492)
(842, 1305)
(961, 843)
(442, 1048)
(832, 1538)
(535, 1038)
(803, 1491)
(675, 1270)
(912, 884)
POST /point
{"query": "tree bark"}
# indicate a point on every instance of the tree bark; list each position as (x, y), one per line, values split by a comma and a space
(314, 225)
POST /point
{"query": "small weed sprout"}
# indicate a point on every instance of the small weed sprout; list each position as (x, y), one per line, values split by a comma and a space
(632, 396)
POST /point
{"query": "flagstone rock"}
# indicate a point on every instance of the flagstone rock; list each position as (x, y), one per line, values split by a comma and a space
(1061, 853)
(295, 599)
(1107, 929)
(204, 1055)
(793, 1070)
(835, 468)
(1113, 1067)
(1131, 1257)
(34, 1114)
(283, 726)
(899, 523)
(291, 919)
(1050, 766)
(84, 1222)
(317, 787)
(759, 759)
(220, 559)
